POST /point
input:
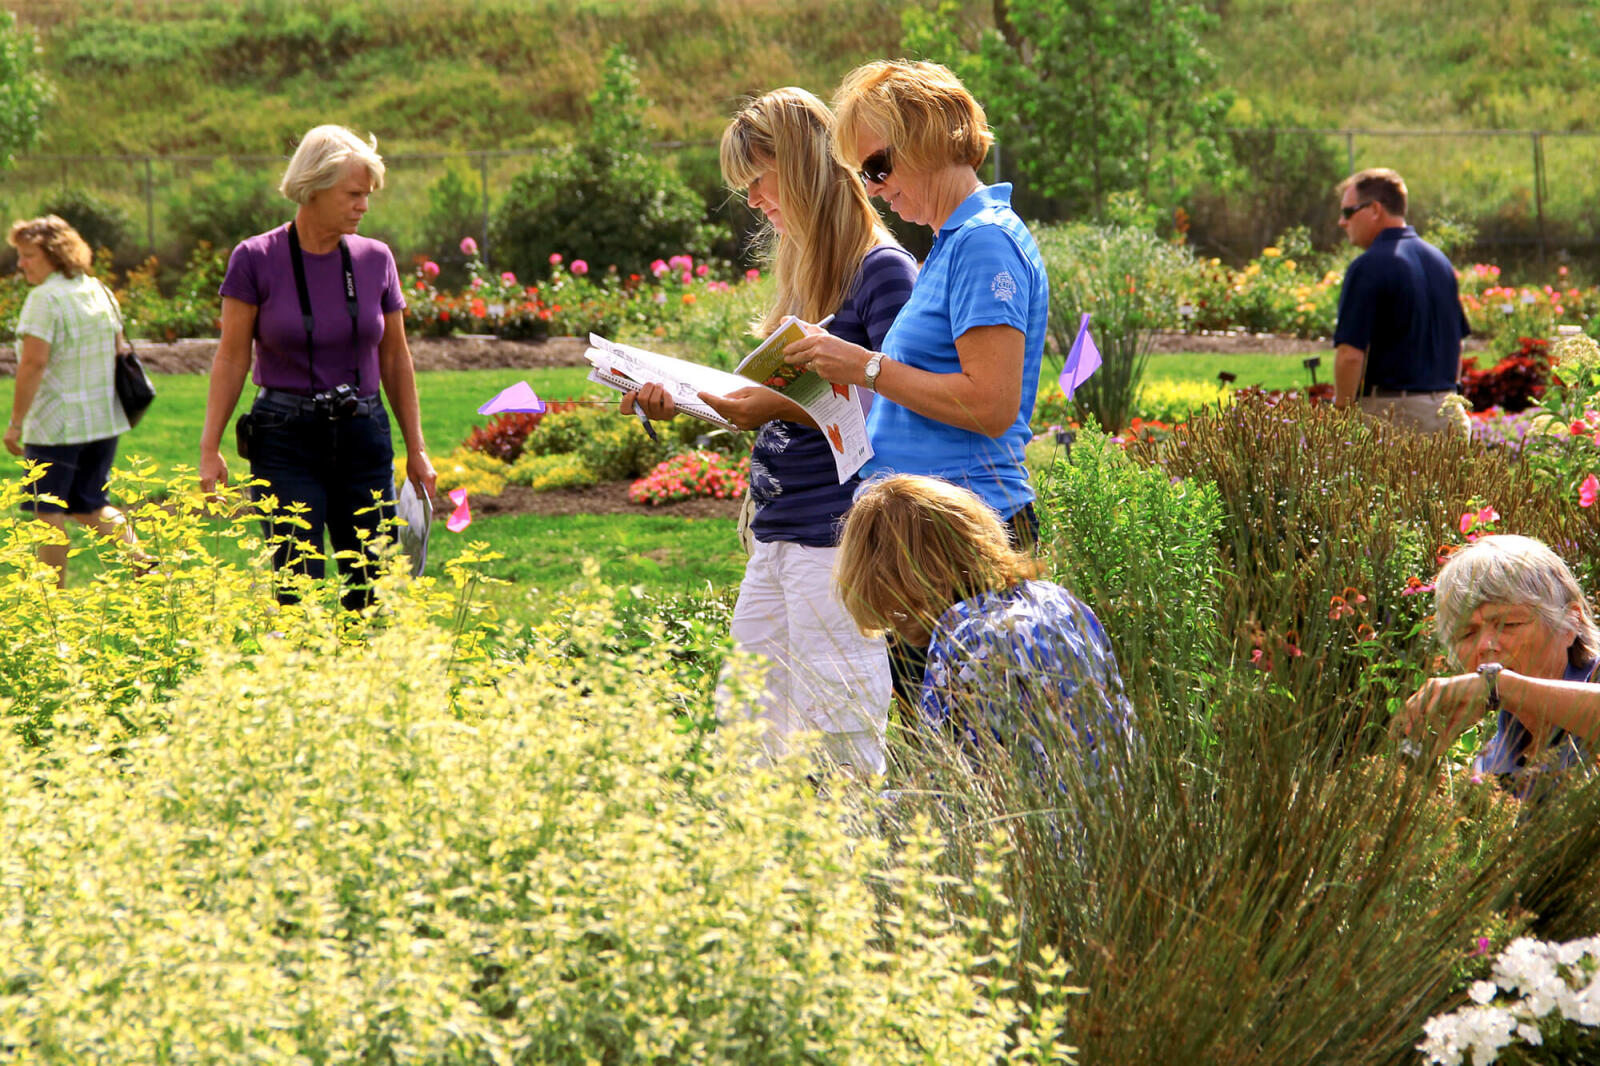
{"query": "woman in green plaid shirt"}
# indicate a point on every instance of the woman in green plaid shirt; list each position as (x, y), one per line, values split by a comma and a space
(65, 412)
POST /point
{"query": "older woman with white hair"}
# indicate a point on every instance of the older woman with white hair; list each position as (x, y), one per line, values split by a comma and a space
(1512, 617)
(320, 310)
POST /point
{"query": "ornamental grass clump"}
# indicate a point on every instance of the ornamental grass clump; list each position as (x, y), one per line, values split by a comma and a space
(338, 862)
(1253, 875)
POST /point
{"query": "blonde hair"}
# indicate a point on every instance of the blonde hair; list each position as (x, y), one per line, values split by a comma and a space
(57, 241)
(322, 155)
(830, 223)
(1379, 185)
(920, 110)
(1504, 568)
(913, 546)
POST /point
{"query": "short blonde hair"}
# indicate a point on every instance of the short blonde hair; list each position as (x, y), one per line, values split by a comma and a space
(921, 110)
(322, 155)
(1504, 568)
(57, 241)
(914, 546)
(830, 222)
(1379, 185)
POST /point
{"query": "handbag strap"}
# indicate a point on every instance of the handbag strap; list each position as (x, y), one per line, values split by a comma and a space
(117, 308)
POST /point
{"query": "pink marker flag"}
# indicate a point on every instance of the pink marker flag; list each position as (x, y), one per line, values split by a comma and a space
(461, 517)
(1082, 361)
(518, 397)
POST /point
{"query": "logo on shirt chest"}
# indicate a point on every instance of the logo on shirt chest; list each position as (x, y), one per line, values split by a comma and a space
(1004, 286)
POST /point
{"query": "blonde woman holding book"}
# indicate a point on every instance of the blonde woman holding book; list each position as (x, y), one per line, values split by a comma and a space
(830, 255)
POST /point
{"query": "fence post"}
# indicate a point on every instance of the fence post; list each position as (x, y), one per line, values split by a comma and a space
(483, 181)
(149, 206)
(1538, 189)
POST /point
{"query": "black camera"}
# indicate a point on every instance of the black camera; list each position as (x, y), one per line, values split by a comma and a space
(338, 402)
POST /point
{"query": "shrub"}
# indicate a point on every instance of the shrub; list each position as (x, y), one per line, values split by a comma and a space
(563, 471)
(1130, 281)
(192, 310)
(1512, 384)
(605, 199)
(227, 205)
(505, 435)
(339, 862)
(479, 474)
(101, 223)
(455, 208)
(1175, 401)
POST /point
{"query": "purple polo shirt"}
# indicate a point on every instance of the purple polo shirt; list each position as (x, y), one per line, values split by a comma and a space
(261, 273)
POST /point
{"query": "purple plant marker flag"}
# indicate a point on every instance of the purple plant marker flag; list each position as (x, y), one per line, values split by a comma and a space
(1082, 361)
(520, 397)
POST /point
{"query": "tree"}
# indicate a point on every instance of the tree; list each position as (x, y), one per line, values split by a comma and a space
(23, 90)
(1088, 97)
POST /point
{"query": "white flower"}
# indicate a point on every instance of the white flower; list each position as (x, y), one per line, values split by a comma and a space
(1482, 992)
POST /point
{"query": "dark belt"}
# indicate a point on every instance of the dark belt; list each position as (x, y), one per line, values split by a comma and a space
(309, 405)
(1396, 393)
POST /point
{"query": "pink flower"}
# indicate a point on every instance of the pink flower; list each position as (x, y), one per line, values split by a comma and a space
(430, 269)
(509, 278)
(469, 246)
(659, 268)
(687, 278)
(752, 274)
(1589, 491)
(681, 262)
(580, 267)
(701, 271)
(555, 258)
(477, 283)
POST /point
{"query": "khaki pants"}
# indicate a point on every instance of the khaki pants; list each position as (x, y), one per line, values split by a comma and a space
(1417, 410)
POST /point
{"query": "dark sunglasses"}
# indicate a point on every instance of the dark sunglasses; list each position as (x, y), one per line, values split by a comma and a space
(1348, 213)
(876, 168)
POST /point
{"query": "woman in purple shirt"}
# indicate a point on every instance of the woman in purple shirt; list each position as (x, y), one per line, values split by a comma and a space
(320, 309)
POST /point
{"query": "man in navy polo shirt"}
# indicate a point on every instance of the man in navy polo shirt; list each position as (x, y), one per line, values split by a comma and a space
(1398, 341)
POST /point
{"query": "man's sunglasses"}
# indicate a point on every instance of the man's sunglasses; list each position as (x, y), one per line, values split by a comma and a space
(876, 168)
(1347, 213)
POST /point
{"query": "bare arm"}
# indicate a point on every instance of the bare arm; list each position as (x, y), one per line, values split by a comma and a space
(229, 368)
(33, 357)
(1348, 363)
(1451, 704)
(984, 396)
(400, 386)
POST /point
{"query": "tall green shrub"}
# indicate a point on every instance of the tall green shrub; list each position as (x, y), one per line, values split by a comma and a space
(226, 205)
(1130, 280)
(605, 200)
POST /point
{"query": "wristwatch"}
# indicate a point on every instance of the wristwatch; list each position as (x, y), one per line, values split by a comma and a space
(874, 365)
(1490, 672)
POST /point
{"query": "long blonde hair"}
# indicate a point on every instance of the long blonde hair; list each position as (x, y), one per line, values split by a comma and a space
(830, 222)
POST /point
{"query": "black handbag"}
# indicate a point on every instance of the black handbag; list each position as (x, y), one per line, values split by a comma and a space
(134, 388)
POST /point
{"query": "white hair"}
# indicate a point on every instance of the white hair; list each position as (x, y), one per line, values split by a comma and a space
(1503, 568)
(321, 157)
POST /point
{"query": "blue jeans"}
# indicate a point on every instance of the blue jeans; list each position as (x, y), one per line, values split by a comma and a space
(342, 472)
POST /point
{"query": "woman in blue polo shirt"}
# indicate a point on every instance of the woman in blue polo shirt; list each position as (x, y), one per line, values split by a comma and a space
(957, 375)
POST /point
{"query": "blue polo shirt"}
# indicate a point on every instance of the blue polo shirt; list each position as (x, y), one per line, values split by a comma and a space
(984, 270)
(1507, 751)
(1401, 305)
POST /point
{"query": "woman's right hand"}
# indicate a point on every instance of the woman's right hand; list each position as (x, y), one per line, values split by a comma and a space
(653, 399)
(213, 470)
(14, 440)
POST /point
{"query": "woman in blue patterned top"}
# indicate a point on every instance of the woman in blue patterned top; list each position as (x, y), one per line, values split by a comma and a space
(1512, 617)
(830, 255)
(931, 563)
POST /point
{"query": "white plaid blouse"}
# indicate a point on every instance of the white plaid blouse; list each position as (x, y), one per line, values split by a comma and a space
(76, 401)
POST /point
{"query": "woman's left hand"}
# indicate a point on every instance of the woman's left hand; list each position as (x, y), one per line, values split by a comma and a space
(832, 359)
(14, 440)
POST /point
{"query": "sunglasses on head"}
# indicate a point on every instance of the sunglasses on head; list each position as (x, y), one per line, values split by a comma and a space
(1348, 213)
(876, 168)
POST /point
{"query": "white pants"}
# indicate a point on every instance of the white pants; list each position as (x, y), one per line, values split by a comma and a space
(819, 672)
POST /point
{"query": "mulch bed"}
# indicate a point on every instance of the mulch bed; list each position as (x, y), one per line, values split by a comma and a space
(610, 498)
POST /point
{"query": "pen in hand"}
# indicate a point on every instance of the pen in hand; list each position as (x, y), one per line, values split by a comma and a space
(644, 420)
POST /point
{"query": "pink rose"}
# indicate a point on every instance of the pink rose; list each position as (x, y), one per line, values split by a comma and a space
(430, 269)
(580, 267)
(509, 278)
(701, 271)
(477, 283)
(469, 246)
(555, 258)
(681, 262)
(1589, 491)
(752, 274)
(659, 268)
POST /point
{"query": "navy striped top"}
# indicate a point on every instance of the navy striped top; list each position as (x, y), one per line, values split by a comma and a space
(793, 480)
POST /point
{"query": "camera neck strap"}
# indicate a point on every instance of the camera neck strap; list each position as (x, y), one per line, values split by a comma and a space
(307, 318)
